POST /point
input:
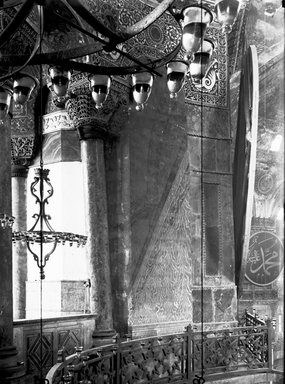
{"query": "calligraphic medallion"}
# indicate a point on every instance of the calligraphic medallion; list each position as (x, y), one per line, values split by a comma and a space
(265, 258)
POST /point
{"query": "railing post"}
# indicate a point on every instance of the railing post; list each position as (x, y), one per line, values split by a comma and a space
(118, 367)
(270, 344)
(190, 367)
(246, 319)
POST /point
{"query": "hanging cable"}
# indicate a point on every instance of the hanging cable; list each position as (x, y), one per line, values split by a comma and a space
(41, 189)
(201, 379)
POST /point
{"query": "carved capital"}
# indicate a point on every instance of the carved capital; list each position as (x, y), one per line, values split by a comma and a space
(88, 120)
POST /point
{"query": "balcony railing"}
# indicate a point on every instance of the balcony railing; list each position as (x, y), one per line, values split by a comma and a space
(252, 319)
(171, 358)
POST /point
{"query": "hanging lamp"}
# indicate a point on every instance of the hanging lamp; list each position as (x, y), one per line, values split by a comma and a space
(42, 233)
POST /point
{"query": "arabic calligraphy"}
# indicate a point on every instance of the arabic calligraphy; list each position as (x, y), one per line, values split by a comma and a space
(265, 258)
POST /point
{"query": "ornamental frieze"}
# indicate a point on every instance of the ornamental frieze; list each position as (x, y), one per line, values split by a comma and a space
(57, 121)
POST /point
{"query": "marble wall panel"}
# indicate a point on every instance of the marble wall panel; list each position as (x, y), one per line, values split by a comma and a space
(207, 307)
(157, 144)
(208, 122)
(162, 292)
(60, 146)
(225, 304)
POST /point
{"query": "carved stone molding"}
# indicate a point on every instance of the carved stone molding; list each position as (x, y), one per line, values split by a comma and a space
(57, 121)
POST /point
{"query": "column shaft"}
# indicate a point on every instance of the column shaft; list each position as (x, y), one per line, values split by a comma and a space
(124, 233)
(6, 306)
(92, 152)
(19, 209)
(10, 368)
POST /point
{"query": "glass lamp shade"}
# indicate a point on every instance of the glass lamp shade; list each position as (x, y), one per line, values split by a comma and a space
(176, 71)
(5, 101)
(100, 87)
(194, 24)
(200, 64)
(23, 86)
(227, 11)
(141, 88)
(60, 80)
(270, 8)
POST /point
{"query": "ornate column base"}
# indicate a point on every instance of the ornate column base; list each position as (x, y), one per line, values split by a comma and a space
(104, 337)
(11, 369)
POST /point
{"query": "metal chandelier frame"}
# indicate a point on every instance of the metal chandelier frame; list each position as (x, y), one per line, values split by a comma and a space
(104, 38)
(108, 42)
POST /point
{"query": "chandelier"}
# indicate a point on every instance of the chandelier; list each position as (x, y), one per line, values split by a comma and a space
(42, 232)
(105, 39)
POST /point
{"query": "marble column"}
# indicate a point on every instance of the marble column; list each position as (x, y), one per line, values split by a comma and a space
(96, 128)
(124, 249)
(19, 209)
(92, 152)
(10, 366)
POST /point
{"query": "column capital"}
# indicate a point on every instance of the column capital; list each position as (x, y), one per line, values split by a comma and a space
(102, 123)
(94, 130)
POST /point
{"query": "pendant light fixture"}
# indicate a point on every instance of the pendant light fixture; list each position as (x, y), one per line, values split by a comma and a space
(176, 72)
(141, 88)
(201, 61)
(195, 20)
(23, 86)
(59, 80)
(5, 102)
(42, 233)
(226, 13)
(100, 86)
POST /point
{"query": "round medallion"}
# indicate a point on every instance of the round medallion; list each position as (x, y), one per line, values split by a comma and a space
(265, 258)
(265, 184)
(155, 34)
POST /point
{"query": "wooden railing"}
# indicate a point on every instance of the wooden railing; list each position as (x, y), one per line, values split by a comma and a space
(178, 358)
(252, 319)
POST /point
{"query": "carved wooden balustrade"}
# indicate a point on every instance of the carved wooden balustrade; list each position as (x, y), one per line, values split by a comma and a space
(171, 358)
